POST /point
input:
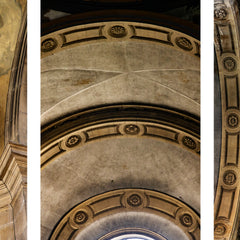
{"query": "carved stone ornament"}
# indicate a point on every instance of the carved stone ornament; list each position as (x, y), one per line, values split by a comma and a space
(134, 200)
(127, 200)
(48, 45)
(131, 129)
(184, 43)
(73, 141)
(229, 178)
(219, 229)
(226, 203)
(81, 217)
(115, 127)
(117, 31)
(114, 30)
(189, 142)
(229, 64)
(232, 120)
(186, 220)
(220, 12)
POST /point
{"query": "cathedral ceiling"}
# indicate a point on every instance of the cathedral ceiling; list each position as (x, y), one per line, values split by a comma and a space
(167, 68)
(120, 109)
(117, 163)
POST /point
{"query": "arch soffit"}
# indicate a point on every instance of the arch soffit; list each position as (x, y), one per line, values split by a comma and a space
(74, 135)
(125, 120)
(118, 31)
(127, 200)
(227, 50)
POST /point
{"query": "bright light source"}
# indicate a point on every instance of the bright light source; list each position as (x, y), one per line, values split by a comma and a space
(132, 237)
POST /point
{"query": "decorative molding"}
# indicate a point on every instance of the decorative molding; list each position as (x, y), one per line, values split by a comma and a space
(220, 11)
(189, 142)
(227, 47)
(119, 121)
(229, 177)
(13, 184)
(48, 45)
(73, 141)
(13, 172)
(232, 120)
(229, 64)
(224, 38)
(128, 200)
(184, 43)
(15, 83)
(231, 85)
(117, 31)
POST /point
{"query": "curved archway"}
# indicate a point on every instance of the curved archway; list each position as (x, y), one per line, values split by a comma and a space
(119, 84)
(96, 208)
(125, 120)
(226, 206)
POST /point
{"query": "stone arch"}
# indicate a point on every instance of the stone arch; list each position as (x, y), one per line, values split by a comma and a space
(226, 15)
(87, 213)
(158, 100)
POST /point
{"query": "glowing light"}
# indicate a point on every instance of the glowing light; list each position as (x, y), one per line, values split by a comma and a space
(132, 237)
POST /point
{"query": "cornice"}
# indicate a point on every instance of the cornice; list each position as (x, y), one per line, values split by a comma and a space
(15, 82)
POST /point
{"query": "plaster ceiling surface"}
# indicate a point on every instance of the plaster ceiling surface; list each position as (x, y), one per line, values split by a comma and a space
(117, 163)
(122, 71)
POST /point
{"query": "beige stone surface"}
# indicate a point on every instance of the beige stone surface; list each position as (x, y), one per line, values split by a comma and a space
(6, 223)
(58, 85)
(5, 215)
(13, 164)
(227, 53)
(118, 72)
(122, 89)
(13, 209)
(20, 216)
(77, 74)
(117, 163)
(10, 13)
(7, 231)
(23, 108)
(3, 101)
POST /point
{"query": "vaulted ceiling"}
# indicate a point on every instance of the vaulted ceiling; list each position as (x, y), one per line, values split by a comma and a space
(120, 97)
